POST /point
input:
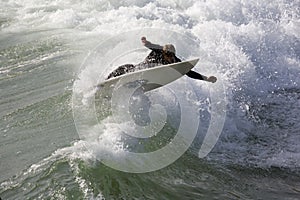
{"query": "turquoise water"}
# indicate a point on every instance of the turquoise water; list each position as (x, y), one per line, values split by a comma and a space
(46, 56)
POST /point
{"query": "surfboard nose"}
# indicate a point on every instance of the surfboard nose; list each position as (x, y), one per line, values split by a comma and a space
(194, 62)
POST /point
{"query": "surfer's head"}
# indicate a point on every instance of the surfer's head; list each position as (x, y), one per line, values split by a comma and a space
(169, 48)
(169, 53)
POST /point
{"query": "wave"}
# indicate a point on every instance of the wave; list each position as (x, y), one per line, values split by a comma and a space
(252, 47)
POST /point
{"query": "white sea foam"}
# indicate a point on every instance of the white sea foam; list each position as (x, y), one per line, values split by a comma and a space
(252, 46)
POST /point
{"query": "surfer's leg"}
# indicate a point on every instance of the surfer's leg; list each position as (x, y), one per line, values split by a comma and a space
(123, 69)
(195, 75)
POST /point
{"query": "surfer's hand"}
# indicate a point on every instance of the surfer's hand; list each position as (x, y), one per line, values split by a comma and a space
(211, 79)
(144, 40)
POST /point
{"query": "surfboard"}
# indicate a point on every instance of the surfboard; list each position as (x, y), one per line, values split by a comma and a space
(150, 78)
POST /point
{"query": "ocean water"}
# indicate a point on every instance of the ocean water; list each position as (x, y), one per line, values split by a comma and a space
(63, 139)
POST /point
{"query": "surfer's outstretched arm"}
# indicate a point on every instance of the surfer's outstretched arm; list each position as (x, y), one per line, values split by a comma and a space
(195, 75)
(149, 45)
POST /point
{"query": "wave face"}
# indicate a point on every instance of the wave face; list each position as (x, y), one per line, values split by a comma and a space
(53, 53)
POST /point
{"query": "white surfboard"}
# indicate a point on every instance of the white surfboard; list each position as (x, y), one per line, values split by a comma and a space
(150, 78)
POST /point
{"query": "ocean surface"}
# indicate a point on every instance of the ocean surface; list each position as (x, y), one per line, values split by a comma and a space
(61, 138)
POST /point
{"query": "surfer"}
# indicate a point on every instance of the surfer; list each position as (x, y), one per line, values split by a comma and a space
(159, 55)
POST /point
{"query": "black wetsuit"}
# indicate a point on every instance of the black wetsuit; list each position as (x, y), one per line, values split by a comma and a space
(155, 58)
